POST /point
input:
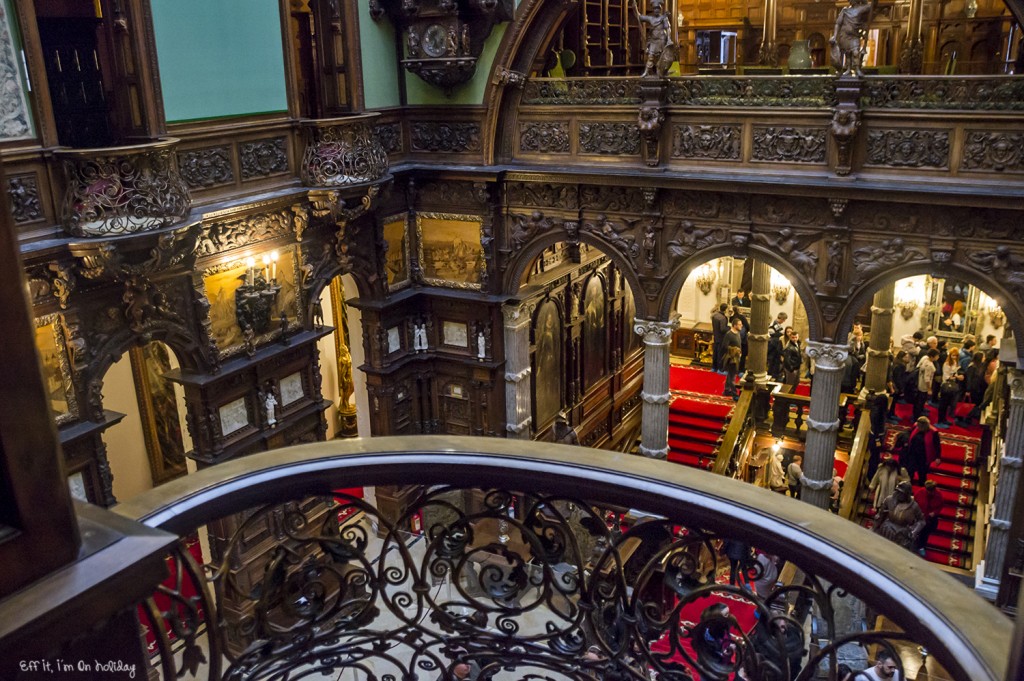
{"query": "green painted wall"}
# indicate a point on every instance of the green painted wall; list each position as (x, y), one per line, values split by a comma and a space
(419, 91)
(380, 63)
(220, 58)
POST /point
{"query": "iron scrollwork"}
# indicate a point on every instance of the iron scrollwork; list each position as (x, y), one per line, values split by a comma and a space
(503, 582)
(342, 151)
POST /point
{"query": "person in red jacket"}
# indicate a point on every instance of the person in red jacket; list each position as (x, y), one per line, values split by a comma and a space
(931, 502)
(922, 450)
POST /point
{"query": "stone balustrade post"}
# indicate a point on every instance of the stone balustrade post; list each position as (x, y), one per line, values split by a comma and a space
(822, 421)
(518, 407)
(656, 396)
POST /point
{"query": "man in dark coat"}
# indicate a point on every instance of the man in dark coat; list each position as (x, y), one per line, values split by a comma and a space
(719, 327)
(922, 450)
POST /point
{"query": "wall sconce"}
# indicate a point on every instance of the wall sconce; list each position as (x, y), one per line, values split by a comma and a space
(706, 276)
(256, 297)
(780, 287)
(907, 297)
(996, 316)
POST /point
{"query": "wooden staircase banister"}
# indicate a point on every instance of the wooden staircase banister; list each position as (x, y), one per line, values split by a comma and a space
(859, 454)
(734, 433)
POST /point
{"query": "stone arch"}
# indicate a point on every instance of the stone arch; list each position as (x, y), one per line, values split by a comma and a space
(805, 289)
(520, 261)
(322, 280)
(864, 294)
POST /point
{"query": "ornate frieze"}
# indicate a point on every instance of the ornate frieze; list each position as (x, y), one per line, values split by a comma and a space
(998, 93)
(885, 255)
(615, 233)
(390, 136)
(543, 137)
(14, 116)
(449, 138)
(609, 139)
(541, 195)
(711, 142)
(613, 198)
(23, 193)
(794, 248)
(204, 168)
(447, 194)
(779, 210)
(993, 150)
(570, 91)
(789, 144)
(905, 148)
(55, 280)
(262, 158)
(696, 204)
(688, 239)
(782, 91)
(1002, 265)
(523, 228)
(224, 236)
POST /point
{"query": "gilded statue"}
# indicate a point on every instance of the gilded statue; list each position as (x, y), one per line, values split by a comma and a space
(660, 48)
(847, 41)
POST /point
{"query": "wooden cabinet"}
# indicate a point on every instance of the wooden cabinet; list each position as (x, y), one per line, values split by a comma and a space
(695, 342)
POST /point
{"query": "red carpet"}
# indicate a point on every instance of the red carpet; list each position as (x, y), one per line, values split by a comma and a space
(956, 475)
(698, 416)
(905, 412)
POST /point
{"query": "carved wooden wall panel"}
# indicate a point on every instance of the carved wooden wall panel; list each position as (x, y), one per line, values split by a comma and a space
(905, 148)
(993, 151)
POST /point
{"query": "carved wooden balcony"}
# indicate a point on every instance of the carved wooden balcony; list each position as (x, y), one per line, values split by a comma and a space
(521, 558)
(121, 190)
(342, 151)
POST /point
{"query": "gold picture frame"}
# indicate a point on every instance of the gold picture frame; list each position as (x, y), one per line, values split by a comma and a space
(450, 251)
(396, 264)
(158, 411)
(51, 342)
(220, 283)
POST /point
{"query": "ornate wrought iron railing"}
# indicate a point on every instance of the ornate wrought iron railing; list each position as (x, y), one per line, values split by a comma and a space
(342, 151)
(121, 190)
(519, 572)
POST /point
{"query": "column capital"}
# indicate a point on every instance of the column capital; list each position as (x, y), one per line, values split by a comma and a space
(655, 332)
(827, 356)
(1016, 380)
(516, 314)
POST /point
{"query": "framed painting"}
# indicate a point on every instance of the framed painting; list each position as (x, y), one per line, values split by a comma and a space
(397, 260)
(595, 334)
(51, 341)
(547, 364)
(256, 289)
(158, 410)
(450, 251)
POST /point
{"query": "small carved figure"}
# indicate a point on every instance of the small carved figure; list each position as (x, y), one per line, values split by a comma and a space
(453, 41)
(284, 328)
(413, 42)
(660, 48)
(465, 40)
(650, 248)
(848, 36)
(481, 346)
(318, 315)
(270, 403)
(419, 337)
(690, 239)
(249, 342)
(835, 262)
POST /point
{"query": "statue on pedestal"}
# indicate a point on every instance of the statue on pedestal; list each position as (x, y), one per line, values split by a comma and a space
(660, 50)
(848, 37)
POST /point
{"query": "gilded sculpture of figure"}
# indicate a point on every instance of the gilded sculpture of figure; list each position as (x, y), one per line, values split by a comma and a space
(660, 48)
(848, 37)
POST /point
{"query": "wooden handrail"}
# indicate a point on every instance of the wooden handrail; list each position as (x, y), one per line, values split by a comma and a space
(859, 455)
(737, 426)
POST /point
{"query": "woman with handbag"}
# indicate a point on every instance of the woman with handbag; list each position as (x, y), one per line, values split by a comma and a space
(950, 388)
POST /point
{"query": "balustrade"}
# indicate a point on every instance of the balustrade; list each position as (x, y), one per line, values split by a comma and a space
(342, 151)
(528, 564)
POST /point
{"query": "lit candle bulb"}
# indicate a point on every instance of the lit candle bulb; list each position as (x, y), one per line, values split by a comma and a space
(251, 264)
(273, 265)
(266, 267)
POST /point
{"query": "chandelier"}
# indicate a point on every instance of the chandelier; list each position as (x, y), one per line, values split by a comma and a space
(780, 287)
(706, 276)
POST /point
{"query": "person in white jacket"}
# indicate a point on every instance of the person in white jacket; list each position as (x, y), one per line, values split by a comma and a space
(888, 475)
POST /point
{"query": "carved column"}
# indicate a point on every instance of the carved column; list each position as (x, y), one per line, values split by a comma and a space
(1001, 511)
(881, 335)
(518, 408)
(768, 55)
(912, 53)
(822, 422)
(654, 428)
(760, 317)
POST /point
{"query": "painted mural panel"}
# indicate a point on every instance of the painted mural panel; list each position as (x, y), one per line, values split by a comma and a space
(595, 333)
(449, 249)
(547, 372)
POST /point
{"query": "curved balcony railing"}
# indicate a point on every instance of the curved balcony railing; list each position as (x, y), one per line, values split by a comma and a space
(526, 568)
(342, 151)
(121, 190)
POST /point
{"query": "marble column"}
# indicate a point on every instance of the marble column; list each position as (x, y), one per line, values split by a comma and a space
(822, 422)
(1000, 513)
(518, 408)
(760, 318)
(656, 397)
(877, 368)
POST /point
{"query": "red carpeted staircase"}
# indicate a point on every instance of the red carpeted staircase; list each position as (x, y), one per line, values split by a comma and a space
(956, 475)
(698, 416)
